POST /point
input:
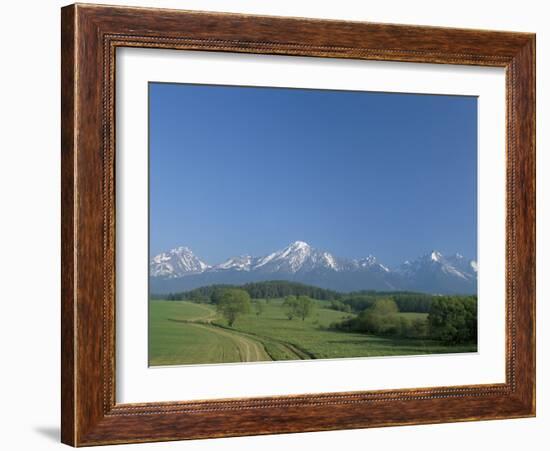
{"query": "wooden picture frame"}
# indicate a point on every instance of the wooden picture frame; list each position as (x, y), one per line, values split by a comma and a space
(90, 36)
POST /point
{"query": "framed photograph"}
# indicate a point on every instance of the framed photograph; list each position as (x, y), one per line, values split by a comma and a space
(279, 225)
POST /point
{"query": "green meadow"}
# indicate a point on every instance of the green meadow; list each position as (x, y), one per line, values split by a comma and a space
(186, 332)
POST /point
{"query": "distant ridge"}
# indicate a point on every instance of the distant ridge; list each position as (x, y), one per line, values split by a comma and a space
(180, 269)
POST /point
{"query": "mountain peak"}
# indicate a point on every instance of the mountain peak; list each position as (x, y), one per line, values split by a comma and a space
(435, 256)
(369, 259)
(370, 262)
(180, 249)
(240, 263)
(298, 256)
(177, 262)
(300, 245)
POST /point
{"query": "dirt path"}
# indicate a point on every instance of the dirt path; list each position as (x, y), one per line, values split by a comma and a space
(299, 354)
(249, 349)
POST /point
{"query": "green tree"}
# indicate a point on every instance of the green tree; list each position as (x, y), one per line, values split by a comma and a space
(290, 306)
(233, 303)
(418, 328)
(381, 318)
(304, 307)
(384, 307)
(453, 320)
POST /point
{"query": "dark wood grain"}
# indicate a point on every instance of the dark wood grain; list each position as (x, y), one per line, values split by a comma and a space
(90, 36)
(68, 147)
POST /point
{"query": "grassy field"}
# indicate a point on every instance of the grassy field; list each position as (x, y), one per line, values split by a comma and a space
(182, 332)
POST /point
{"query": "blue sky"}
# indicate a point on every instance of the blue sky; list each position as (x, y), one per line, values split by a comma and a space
(241, 170)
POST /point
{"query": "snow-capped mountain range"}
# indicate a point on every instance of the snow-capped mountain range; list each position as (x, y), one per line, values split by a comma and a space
(177, 262)
(180, 269)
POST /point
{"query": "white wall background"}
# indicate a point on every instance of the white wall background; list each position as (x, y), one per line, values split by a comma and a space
(30, 228)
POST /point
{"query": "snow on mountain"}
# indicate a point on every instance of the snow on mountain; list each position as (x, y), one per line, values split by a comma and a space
(370, 262)
(432, 272)
(434, 256)
(298, 256)
(177, 262)
(434, 261)
(464, 265)
(241, 263)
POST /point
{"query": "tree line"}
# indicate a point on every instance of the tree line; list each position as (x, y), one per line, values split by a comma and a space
(451, 320)
(405, 301)
(356, 301)
(256, 290)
